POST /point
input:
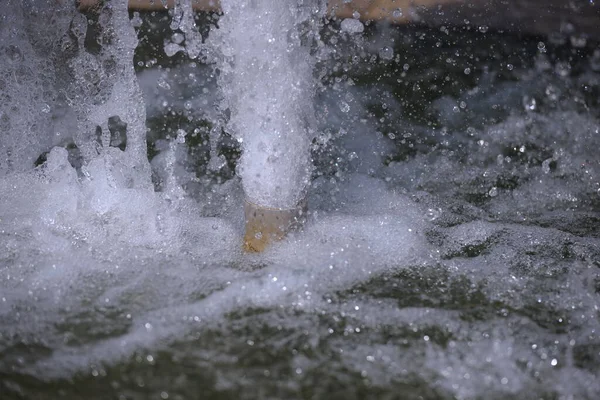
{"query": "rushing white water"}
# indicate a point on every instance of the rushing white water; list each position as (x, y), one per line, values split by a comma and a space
(28, 98)
(268, 87)
(456, 259)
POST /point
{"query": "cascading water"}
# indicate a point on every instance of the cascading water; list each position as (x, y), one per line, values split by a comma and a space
(451, 250)
(28, 97)
(266, 76)
(268, 86)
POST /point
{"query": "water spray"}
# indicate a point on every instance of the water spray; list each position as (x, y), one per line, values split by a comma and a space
(268, 88)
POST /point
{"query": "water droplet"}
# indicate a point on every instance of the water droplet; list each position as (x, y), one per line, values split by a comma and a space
(177, 38)
(541, 47)
(172, 48)
(529, 103)
(136, 21)
(351, 25)
(386, 53)
(181, 136)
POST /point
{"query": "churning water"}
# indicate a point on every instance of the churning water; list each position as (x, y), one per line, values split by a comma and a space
(452, 248)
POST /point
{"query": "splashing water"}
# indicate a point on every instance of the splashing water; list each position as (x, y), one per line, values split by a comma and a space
(268, 86)
(27, 95)
(452, 247)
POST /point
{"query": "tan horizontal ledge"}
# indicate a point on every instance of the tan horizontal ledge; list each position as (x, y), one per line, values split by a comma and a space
(523, 16)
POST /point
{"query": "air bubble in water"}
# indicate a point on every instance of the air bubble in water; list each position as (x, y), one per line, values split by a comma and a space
(386, 53)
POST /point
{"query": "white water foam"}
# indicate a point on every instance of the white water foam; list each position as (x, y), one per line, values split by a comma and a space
(268, 87)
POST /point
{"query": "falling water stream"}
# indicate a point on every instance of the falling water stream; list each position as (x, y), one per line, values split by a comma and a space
(451, 251)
